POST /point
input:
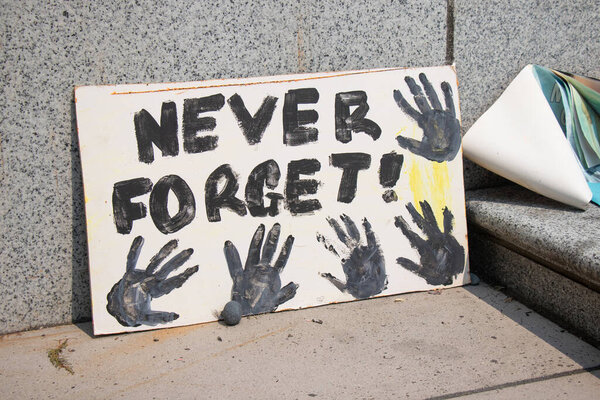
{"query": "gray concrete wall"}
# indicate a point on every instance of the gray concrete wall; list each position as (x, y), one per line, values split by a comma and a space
(48, 47)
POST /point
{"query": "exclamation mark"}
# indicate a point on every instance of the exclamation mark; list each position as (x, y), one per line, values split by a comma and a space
(389, 172)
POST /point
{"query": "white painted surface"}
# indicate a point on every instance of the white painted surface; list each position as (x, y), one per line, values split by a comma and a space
(520, 139)
(108, 145)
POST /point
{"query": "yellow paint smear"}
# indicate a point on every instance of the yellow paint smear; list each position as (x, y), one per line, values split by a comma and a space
(430, 181)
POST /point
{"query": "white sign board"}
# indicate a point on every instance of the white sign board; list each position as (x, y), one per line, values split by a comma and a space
(279, 193)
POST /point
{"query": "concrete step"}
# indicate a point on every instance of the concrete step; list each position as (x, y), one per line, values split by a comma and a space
(546, 254)
(469, 342)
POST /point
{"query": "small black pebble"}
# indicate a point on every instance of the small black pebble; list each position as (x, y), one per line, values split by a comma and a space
(219, 338)
(232, 313)
(317, 321)
(156, 339)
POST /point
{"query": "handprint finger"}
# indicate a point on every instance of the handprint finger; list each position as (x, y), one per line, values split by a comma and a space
(448, 221)
(405, 106)
(339, 232)
(173, 264)
(234, 263)
(371, 239)
(351, 228)
(335, 281)
(166, 286)
(134, 253)
(417, 218)
(415, 89)
(286, 293)
(431, 94)
(284, 254)
(326, 243)
(408, 264)
(430, 227)
(255, 245)
(410, 144)
(418, 95)
(415, 240)
(158, 317)
(160, 256)
(448, 98)
(270, 244)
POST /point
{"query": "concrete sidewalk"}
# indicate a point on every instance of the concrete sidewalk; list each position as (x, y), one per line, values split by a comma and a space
(470, 342)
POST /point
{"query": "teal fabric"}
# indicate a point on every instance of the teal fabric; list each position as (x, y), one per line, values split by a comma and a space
(595, 188)
(575, 108)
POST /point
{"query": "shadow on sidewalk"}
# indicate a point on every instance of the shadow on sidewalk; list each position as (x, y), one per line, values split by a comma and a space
(554, 335)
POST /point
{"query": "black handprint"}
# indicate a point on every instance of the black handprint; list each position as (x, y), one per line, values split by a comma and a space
(441, 129)
(129, 299)
(364, 267)
(257, 287)
(442, 257)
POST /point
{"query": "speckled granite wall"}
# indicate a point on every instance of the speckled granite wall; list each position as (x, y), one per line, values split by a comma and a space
(494, 40)
(48, 47)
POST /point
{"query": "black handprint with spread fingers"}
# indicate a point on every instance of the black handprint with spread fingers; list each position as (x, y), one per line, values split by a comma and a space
(257, 287)
(442, 257)
(364, 267)
(129, 299)
(441, 129)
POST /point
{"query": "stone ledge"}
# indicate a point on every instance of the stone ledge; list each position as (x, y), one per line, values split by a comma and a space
(556, 236)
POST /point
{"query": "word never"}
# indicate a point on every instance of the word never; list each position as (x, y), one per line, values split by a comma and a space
(164, 135)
